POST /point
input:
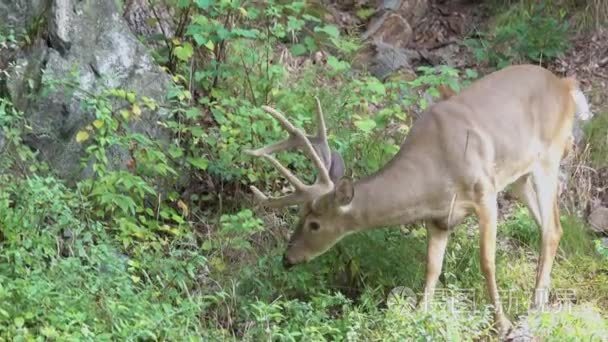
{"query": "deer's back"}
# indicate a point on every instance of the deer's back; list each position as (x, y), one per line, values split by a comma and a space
(497, 128)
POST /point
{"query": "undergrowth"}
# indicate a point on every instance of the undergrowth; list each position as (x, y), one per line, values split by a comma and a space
(534, 32)
(597, 139)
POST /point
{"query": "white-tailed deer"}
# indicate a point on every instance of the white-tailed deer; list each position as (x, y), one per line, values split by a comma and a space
(509, 128)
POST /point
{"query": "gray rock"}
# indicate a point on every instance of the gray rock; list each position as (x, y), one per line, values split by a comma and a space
(387, 36)
(391, 29)
(90, 42)
(598, 220)
(411, 10)
(389, 59)
(148, 19)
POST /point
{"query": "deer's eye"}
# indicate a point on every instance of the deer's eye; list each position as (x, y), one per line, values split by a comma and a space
(314, 226)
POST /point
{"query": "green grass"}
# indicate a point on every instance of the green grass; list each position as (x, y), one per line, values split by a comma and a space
(88, 289)
(596, 136)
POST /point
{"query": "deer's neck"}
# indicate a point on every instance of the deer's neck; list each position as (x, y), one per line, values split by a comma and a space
(397, 194)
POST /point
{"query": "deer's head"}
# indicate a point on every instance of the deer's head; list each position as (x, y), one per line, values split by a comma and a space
(324, 205)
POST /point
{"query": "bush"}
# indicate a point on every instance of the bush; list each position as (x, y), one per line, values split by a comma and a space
(528, 32)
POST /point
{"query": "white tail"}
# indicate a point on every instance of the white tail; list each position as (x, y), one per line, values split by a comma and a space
(582, 106)
(509, 128)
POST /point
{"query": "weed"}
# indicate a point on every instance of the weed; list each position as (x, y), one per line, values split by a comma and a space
(525, 33)
(597, 139)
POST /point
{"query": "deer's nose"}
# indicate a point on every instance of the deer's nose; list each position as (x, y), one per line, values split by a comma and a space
(286, 263)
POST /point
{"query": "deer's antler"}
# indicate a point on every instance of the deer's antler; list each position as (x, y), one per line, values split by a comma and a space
(320, 156)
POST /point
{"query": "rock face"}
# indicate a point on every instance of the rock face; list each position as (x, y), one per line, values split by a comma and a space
(387, 36)
(392, 29)
(598, 220)
(403, 33)
(149, 18)
(89, 42)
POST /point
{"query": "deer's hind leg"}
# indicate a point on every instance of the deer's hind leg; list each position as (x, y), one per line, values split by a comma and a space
(545, 179)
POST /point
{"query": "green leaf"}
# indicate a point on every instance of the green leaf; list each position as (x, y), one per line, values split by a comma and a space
(19, 322)
(246, 33)
(330, 30)
(82, 136)
(199, 162)
(471, 73)
(209, 45)
(49, 332)
(197, 131)
(203, 4)
(310, 43)
(337, 64)
(311, 18)
(377, 87)
(222, 32)
(199, 39)
(175, 151)
(294, 24)
(193, 113)
(366, 125)
(184, 52)
(207, 245)
(298, 49)
(183, 3)
(365, 13)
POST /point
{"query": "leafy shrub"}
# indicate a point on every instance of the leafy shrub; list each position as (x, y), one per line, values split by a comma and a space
(530, 33)
(597, 140)
(601, 248)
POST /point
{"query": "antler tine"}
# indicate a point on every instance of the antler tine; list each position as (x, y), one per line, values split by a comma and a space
(297, 183)
(301, 194)
(303, 139)
(282, 145)
(321, 129)
(319, 141)
(297, 138)
(278, 202)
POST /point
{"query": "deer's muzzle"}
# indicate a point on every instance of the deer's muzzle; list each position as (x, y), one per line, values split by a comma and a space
(286, 263)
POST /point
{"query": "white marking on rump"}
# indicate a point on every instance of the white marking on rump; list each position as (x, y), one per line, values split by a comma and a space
(582, 106)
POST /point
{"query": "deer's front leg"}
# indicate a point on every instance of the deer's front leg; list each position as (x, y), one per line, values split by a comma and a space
(487, 213)
(437, 240)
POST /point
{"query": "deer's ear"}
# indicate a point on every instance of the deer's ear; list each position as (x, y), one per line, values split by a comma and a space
(345, 191)
(337, 169)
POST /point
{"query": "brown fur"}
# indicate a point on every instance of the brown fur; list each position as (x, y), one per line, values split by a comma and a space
(510, 127)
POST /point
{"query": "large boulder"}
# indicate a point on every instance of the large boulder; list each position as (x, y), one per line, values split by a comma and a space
(388, 35)
(598, 220)
(391, 28)
(89, 42)
(150, 19)
(405, 33)
(410, 10)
